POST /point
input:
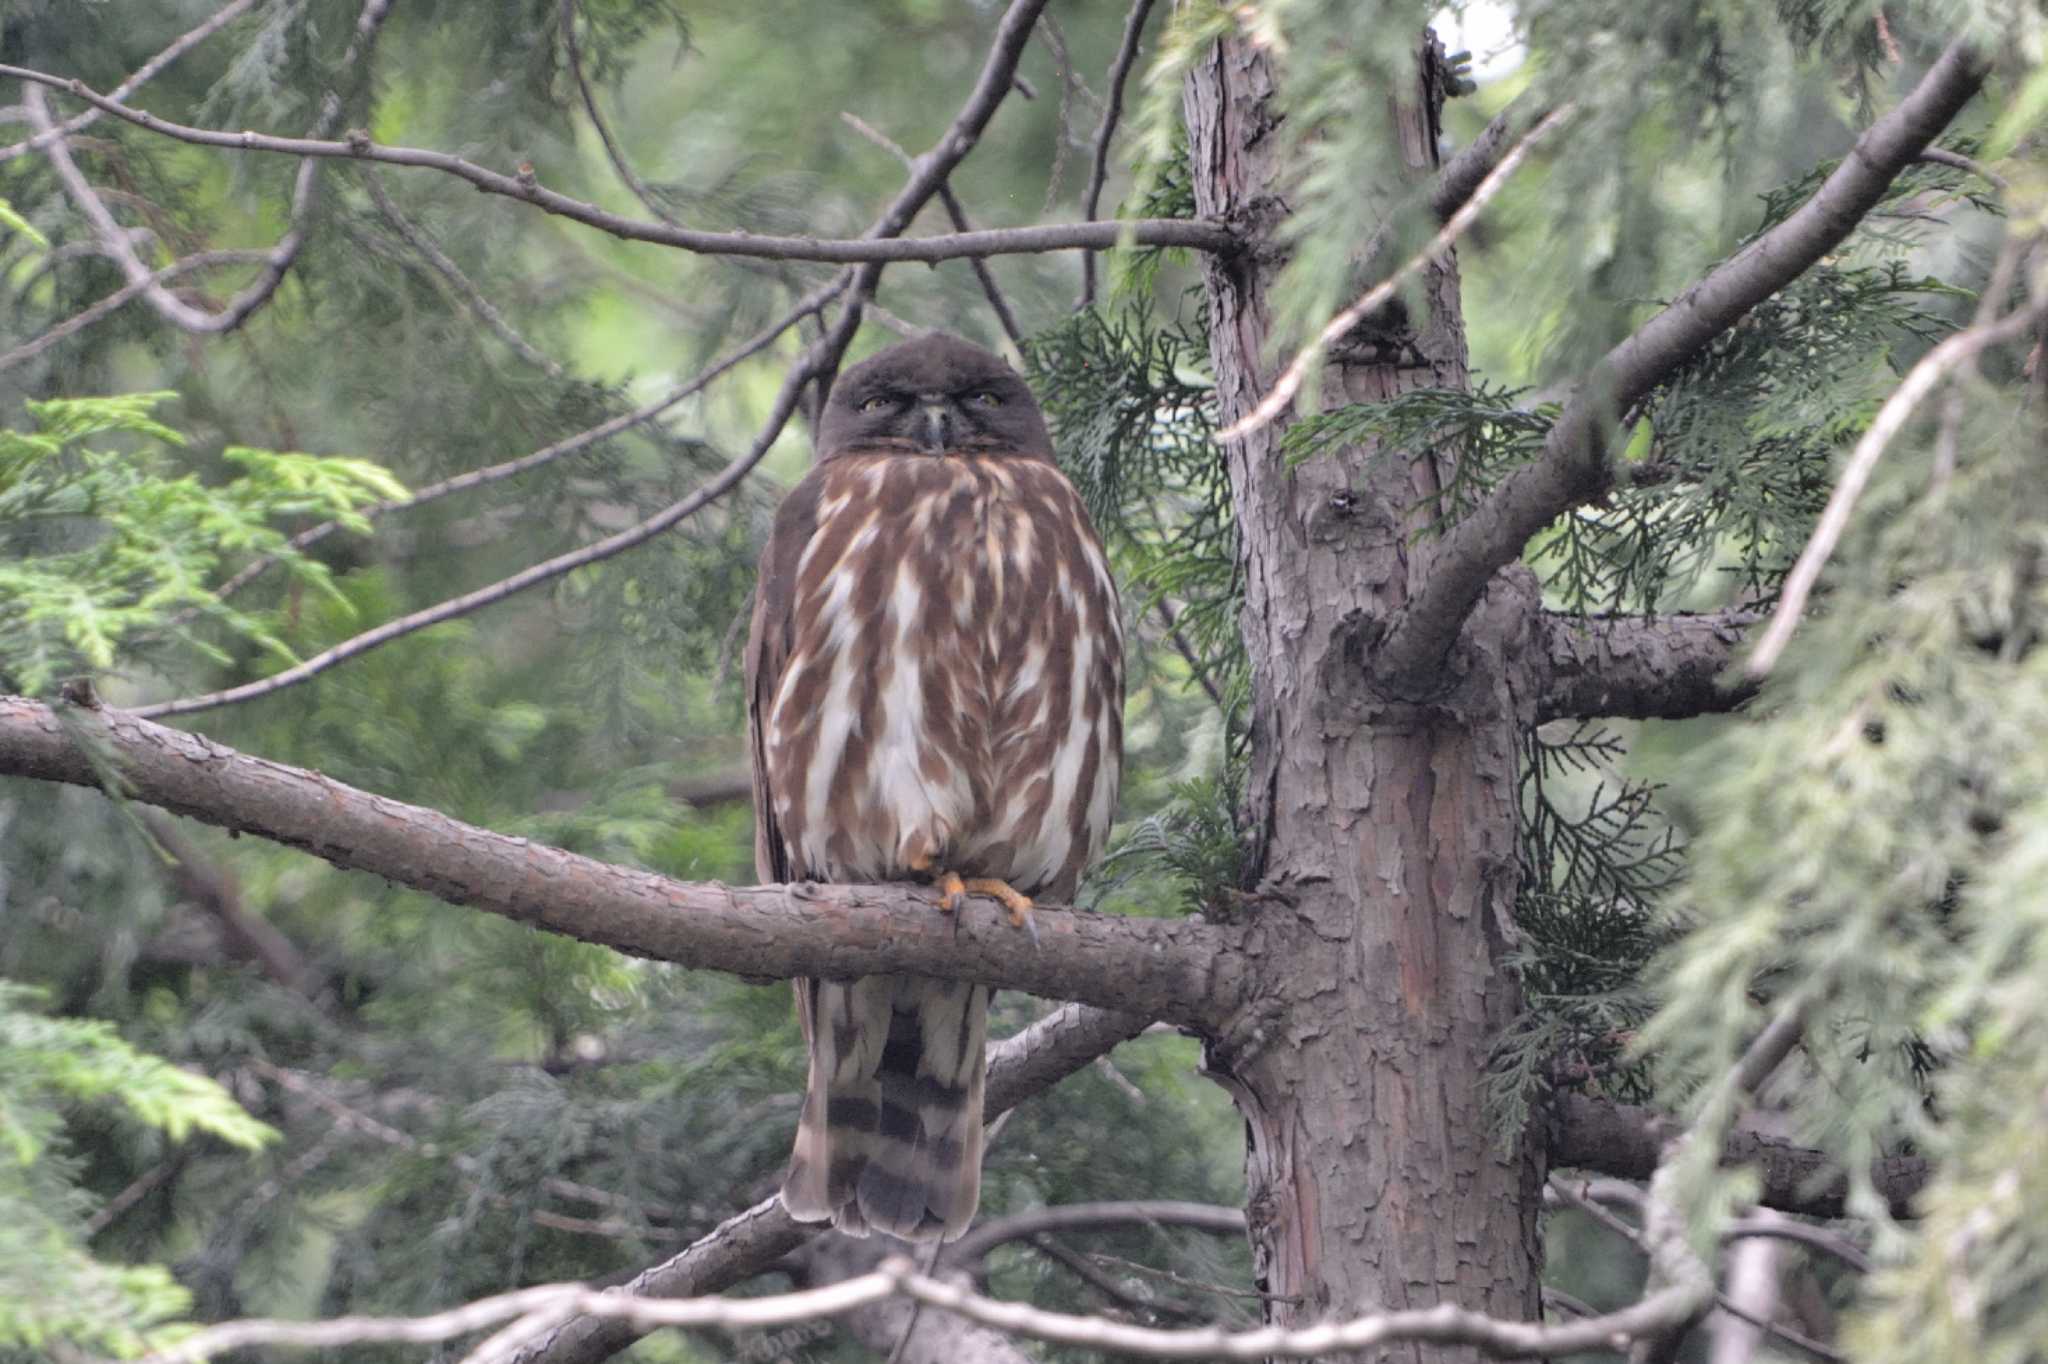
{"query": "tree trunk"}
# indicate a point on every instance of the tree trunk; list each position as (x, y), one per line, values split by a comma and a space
(1384, 825)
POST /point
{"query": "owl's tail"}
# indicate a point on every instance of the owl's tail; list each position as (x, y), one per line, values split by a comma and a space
(890, 1134)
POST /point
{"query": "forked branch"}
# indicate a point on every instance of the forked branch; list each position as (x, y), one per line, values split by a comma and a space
(1575, 466)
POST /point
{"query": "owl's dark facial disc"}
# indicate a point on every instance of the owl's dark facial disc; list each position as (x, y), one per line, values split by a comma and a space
(935, 395)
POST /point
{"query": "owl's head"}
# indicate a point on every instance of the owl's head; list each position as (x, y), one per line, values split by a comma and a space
(935, 395)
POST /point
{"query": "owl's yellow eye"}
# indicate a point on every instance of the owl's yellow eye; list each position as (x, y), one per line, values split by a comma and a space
(874, 404)
(987, 398)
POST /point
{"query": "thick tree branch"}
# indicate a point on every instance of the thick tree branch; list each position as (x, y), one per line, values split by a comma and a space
(1183, 972)
(1019, 1067)
(879, 247)
(1626, 1141)
(1639, 667)
(1574, 467)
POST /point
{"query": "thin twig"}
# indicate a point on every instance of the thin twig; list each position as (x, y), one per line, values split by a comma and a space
(430, 251)
(1196, 234)
(1275, 402)
(612, 151)
(120, 298)
(141, 76)
(1897, 410)
(1948, 439)
(954, 211)
(1098, 172)
(477, 478)
(545, 571)
(1942, 156)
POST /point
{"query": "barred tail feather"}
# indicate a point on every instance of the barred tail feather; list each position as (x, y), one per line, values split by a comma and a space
(891, 1140)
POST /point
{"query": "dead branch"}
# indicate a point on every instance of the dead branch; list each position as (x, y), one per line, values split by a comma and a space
(1575, 466)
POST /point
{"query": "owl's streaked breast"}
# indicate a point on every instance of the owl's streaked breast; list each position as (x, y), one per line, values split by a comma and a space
(954, 686)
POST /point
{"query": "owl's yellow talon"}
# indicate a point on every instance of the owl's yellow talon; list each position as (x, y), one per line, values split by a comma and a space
(952, 890)
(1014, 900)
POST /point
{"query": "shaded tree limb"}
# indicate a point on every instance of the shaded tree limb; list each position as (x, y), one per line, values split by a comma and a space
(970, 1250)
(1112, 111)
(1665, 667)
(1469, 166)
(1626, 1140)
(250, 936)
(141, 76)
(1019, 1067)
(1185, 972)
(1574, 467)
(880, 247)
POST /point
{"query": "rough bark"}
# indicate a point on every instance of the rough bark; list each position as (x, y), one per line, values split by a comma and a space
(1387, 824)
(1640, 667)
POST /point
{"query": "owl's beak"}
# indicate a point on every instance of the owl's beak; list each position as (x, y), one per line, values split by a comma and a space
(936, 435)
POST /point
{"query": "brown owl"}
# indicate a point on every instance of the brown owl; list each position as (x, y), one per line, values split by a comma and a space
(934, 690)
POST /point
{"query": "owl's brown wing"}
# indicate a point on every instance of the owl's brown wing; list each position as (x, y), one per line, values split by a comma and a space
(768, 645)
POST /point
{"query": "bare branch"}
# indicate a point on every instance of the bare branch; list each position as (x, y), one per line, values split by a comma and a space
(141, 76)
(877, 247)
(1179, 970)
(1290, 381)
(1574, 467)
(1941, 156)
(612, 151)
(1897, 410)
(545, 571)
(120, 298)
(1119, 72)
(1641, 667)
(115, 243)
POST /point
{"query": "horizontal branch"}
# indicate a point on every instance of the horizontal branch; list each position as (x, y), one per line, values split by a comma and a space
(1180, 971)
(1627, 1141)
(1639, 667)
(523, 186)
(1574, 467)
